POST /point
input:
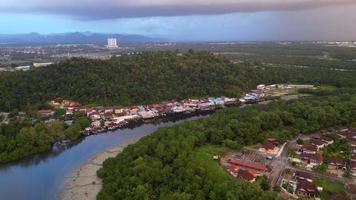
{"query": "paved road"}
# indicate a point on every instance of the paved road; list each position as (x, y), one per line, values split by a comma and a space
(277, 165)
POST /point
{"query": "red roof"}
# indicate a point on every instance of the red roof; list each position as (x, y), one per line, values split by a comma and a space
(45, 111)
(303, 175)
(268, 146)
(233, 168)
(255, 166)
(69, 103)
(353, 165)
(306, 187)
(318, 142)
(312, 157)
(335, 161)
(245, 174)
(310, 147)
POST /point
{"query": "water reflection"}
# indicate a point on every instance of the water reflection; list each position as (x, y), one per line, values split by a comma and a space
(39, 177)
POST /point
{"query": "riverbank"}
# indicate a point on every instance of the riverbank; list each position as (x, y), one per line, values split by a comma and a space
(83, 183)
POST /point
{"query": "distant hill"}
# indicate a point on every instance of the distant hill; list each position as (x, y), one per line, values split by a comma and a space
(69, 38)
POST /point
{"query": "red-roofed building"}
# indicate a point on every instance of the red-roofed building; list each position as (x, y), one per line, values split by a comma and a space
(46, 112)
(306, 188)
(254, 166)
(309, 149)
(71, 104)
(312, 159)
(300, 175)
(335, 163)
(269, 148)
(318, 143)
(274, 141)
(327, 140)
(246, 175)
(343, 133)
(233, 169)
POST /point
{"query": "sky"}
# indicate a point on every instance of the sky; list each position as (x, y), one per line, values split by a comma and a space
(186, 20)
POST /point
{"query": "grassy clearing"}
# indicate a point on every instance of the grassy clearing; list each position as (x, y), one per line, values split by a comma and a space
(329, 188)
(203, 157)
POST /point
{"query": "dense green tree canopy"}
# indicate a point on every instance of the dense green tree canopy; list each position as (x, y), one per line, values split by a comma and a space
(163, 165)
(149, 77)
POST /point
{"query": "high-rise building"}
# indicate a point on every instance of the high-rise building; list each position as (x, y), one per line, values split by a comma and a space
(112, 43)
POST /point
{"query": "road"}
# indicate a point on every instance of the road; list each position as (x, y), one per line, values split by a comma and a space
(280, 163)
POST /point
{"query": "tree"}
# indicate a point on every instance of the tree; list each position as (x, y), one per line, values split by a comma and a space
(264, 183)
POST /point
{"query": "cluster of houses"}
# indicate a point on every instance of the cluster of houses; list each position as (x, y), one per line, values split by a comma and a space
(258, 94)
(276, 90)
(247, 171)
(350, 135)
(110, 118)
(303, 184)
(311, 153)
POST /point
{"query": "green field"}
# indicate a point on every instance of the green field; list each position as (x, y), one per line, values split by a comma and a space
(203, 157)
(329, 188)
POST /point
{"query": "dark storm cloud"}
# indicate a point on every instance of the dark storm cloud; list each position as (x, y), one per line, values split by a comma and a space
(111, 9)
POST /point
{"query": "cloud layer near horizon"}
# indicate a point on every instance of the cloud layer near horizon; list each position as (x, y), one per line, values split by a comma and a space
(111, 9)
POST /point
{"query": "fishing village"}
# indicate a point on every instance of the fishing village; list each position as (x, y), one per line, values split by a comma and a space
(104, 119)
(111, 118)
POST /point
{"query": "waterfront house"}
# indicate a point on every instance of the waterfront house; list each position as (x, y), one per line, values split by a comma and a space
(94, 117)
(229, 101)
(261, 86)
(147, 114)
(96, 124)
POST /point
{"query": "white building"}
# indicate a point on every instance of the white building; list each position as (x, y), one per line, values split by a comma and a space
(42, 64)
(112, 43)
(22, 68)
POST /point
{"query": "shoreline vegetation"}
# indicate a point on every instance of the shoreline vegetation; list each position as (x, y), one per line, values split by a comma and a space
(141, 79)
(163, 164)
(82, 183)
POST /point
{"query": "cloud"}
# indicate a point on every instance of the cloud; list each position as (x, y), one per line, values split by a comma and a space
(112, 9)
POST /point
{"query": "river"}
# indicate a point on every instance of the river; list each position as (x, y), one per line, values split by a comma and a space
(40, 177)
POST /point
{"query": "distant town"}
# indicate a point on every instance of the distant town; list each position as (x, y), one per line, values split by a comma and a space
(26, 57)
